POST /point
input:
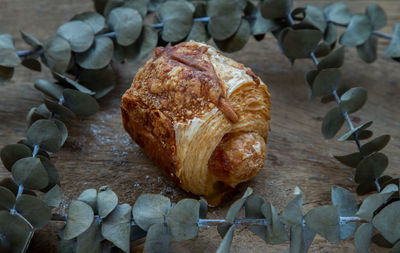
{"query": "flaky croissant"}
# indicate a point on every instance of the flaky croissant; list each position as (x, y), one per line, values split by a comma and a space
(202, 117)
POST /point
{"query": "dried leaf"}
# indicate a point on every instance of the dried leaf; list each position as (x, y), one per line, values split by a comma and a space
(34, 210)
(371, 167)
(53, 197)
(315, 16)
(9, 58)
(330, 34)
(79, 34)
(371, 204)
(143, 46)
(357, 32)
(253, 211)
(95, 20)
(116, 227)
(57, 54)
(89, 196)
(393, 50)
(158, 239)
(368, 51)
(375, 145)
(6, 41)
(101, 81)
(177, 18)
(351, 160)
(300, 43)
(362, 237)
(90, 240)
(127, 23)
(333, 60)
(16, 231)
(7, 199)
(80, 103)
(80, 217)
(66, 80)
(183, 218)
(59, 111)
(12, 153)
(353, 99)
(272, 9)
(377, 16)
(236, 41)
(30, 173)
(6, 74)
(139, 5)
(107, 201)
(292, 213)
(237, 205)
(347, 207)
(98, 56)
(32, 64)
(198, 33)
(301, 238)
(324, 220)
(276, 232)
(326, 81)
(338, 12)
(31, 40)
(44, 133)
(332, 123)
(387, 222)
(225, 18)
(203, 209)
(225, 245)
(150, 209)
(355, 130)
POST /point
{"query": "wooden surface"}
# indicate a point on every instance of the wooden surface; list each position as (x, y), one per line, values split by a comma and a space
(99, 152)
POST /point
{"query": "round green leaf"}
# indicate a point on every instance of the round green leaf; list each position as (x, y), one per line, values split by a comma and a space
(53, 197)
(301, 238)
(80, 217)
(177, 18)
(95, 20)
(52, 172)
(323, 49)
(387, 222)
(78, 33)
(158, 239)
(326, 81)
(143, 46)
(107, 201)
(371, 167)
(276, 232)
(9, 58)
(338, 12)
(90, 240)
(111, 5)
(238, 40)
(351, 160)
(15, 232)
(139, 5)
(89, 196)
(237, 205)
(393, 50)
(333, 60)
(361, 127)
(30, 173)
(272, 9)
(377, 16)
(44, 133)
(150, 209)
(80, 103)
(198, 33)
(98, 56)
(12, 153)
(252, 211)
(332, 123)
(365, 188)
(371, 204)
(263, 26)
(101, 81)
(31, 40)
(367, 51)
(315, 16)
(32, 64)
(330, 34)
(71, 82)
(127, 24)
(6, 41)
(60, 111)
(375, 145)
(324, 220)
(117, 226)
(357, 32)
(6, 74)
(57, 54)
(292, 213)
(10, 184)
(225, 245)
(63, 131)
(300, 43)
(182, 220)
(353, 99)
(7, 199)
(50, 89)
(362, 237)
(34, 210)
(225, 18)
(347, 206)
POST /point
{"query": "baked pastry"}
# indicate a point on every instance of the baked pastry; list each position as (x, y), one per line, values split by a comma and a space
(202, 117)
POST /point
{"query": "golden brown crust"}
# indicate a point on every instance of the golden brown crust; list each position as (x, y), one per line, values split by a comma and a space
(202, 117)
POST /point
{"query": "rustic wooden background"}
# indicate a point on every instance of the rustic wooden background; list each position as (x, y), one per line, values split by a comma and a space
(99, 152)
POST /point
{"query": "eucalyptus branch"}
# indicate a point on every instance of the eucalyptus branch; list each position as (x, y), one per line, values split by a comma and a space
(376, 33)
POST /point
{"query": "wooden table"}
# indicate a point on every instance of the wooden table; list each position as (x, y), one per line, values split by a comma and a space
(99, 152)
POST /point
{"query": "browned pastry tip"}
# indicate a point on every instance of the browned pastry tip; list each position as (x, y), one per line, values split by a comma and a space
(202, 117)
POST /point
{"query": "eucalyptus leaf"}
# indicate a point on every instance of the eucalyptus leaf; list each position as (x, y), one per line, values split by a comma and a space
(198, 32)
(371, 167)
(301, 238)
(371, 204)
(98, 56)
(323, 49)
(95, 20)
(150, 209)
(368, 51)
(34, 210)
(80, 217)
(273, 9)
(351, 160)
(31, 40)
(375, 145)
(182, 220)
(80, 103)
(315, 16)
(90, 240)
(139, 5)
(387, 222)
(100, 81)
(276, 232)
(57, 54)
(89, 196)
(107, 201)
(111, 5)
(73, 83)
(326, 81)
(332, 123)
(32, 64)
(366, 187)
(30, 173)
(177, 17)
(338, 12)
(292, 213)
(6, 41)
(52, 173)
(158, 239)
(126, 23)
(377, 16)
(116, 227)
(379, 240)
(362, 135)
(300, 43)
(225, 245)
(396, 248)
(12, 153)
(59, 111)
(333, 60)
(353, 99)
(393, 50)
(355, 130)
(225, 18)
(357, 32)
(362, 237)
(44, 133)
(324, 220)
(15, 232)
(9, 58)
(253, 211)
(63, 131)
(50, 89)
(347, 207)
(237, 41)
(237, 205)
(143, 46)
(79, 34)
(6, 74)
(330, 34)
(53, 197)
(7, 199)
(203, 209)
(263, 26)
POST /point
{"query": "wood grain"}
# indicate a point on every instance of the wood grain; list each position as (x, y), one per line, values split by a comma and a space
(98, 151)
